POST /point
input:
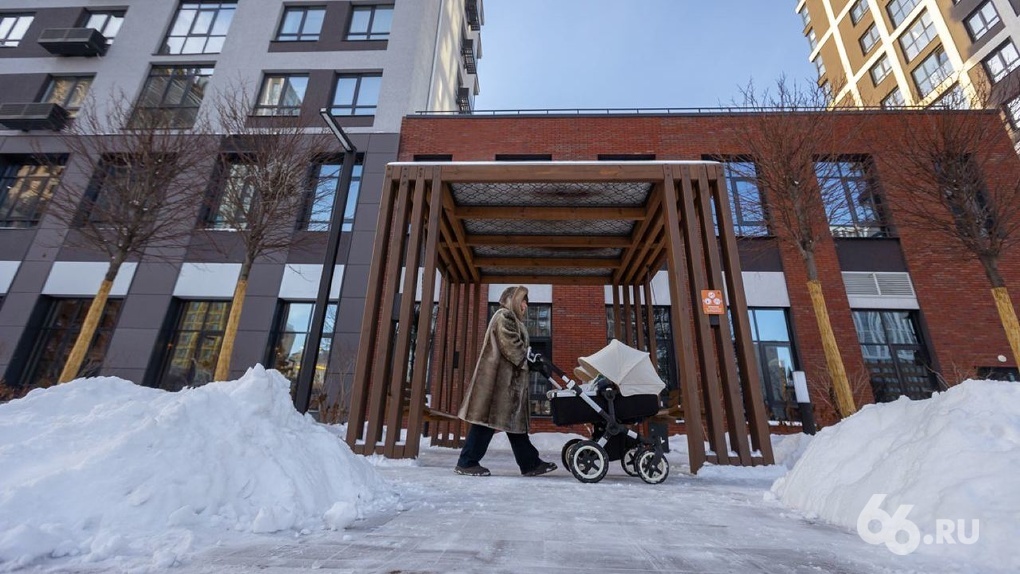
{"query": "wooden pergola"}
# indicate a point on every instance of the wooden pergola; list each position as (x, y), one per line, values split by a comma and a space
(560, 223)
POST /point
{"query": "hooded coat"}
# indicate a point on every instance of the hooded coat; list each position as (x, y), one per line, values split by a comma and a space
(497, 396)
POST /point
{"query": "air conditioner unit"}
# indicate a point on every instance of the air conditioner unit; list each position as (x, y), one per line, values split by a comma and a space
(33, 116)
(73, 41)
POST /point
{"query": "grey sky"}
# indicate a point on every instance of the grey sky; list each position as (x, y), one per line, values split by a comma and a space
(635, 53)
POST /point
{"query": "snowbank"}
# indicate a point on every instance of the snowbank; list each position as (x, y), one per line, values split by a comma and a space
(103, 469)
(954, 457)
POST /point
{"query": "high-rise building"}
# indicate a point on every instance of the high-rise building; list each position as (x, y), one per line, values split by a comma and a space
(369, 63)
(894, 53)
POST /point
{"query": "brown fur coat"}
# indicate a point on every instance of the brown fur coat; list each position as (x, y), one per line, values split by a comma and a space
(497, 396)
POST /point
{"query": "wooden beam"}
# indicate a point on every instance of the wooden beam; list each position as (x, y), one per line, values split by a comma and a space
(548, 279)
(638, 238)
(576, 262)
(565, 241)
(549, 213)
(458, 233)
(542, 172)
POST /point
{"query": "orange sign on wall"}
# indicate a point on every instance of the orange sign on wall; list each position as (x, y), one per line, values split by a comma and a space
(712, 302)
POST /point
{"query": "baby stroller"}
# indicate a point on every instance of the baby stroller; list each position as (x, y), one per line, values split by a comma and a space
(622, 389)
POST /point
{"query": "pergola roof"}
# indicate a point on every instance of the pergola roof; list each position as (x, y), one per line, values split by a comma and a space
(552, 222)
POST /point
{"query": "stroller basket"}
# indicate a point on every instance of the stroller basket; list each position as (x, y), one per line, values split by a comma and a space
(570, 409)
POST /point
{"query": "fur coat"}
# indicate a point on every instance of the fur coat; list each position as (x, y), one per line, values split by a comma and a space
(497, 396)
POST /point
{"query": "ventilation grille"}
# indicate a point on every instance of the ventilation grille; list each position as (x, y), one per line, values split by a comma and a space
(878, 284)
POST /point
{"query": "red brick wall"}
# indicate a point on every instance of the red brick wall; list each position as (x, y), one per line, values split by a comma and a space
(954, 295)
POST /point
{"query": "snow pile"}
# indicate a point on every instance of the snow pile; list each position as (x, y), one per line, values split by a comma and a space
(954, 457)
(102, 469)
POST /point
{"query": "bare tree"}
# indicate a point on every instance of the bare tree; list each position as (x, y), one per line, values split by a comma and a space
(147, 179)
(957, 178)
(266, 185)
(785, 133)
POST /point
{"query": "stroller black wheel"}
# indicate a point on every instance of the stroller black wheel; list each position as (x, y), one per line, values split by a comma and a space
(589, 462)
(651, 471)
(629, 461)
(565, 453)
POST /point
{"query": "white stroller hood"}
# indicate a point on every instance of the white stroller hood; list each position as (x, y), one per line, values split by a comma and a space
(628, 367)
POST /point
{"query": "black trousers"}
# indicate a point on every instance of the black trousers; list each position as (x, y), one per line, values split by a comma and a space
(477, 443)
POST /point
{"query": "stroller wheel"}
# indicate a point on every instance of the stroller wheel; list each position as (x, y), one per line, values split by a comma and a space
(588, 461)
(650, 471)
(629, 461)
(565, 453)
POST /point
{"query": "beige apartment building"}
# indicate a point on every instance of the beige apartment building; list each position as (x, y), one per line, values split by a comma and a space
(892, 53)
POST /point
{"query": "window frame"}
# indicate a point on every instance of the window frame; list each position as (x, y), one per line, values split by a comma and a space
(301, 35)
(65, 102)
(196, 75)
(354, 106)
(986, 23)
(872, 35)
(881, 65)
(276, 109)
(369, 34)
(64, 337)
(281, 330)
(742, 226)
(315, 198)
(942, 71)
(919, 345)
(899, 11)
(25, 184)
(897, 94)
(212, 43)
(202, 334)
(12, 36)
(115, 17)
(918, 36)
(858, 10)
(853, 224)
(998, 55)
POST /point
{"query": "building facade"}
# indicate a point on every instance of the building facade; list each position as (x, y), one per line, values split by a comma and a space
(368, 63)
(892, 53)
(893, 292)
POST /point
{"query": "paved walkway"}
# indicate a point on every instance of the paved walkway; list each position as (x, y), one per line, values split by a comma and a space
(508, 523)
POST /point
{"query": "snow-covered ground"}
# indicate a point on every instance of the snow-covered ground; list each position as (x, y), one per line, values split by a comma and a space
(101, 475)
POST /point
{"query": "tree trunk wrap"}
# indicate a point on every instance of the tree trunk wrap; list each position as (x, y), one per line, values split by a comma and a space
(88, 331)
(230, 334)
(833, 359)
(1007, 314)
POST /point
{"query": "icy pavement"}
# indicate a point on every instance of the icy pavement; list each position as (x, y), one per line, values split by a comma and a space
(508, 523)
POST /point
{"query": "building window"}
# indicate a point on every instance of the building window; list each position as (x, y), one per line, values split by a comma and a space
(356, 95)
(895, 354)
(745, 199)
(858, 10)
(194, 344)
(199, 28)
(60, 330)
(323, 191)
(870, 38)
(880, 70)
(1002, 61)
(770, 335)
(953, 99)
(282, 95)
(171, 97)
(812, 39)
(301, 24)
(819, 66)
(13, 28)
(982, 20)
(370, 23)
(68, 92)
(849, 197)
(917, 36)
(805, 16)
(107, 23)
(293, 325)
(1013, 112)
(232, 200)
(894, 99)
(26, 187)
(900, 9)
(932, 71)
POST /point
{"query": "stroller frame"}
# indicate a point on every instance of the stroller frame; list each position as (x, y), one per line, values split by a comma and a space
(612, 438)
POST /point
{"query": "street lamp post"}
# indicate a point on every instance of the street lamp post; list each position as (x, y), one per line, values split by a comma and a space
(310, 354)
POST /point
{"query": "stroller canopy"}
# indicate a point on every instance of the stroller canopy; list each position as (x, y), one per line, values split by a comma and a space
(628, 367)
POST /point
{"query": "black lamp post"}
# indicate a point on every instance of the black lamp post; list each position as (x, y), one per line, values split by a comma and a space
(310, 354)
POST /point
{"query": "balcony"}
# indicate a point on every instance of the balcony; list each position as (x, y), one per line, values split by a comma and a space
(473, 12)
(467, 52)
(73, 41)
(33, 116)
(464, 100)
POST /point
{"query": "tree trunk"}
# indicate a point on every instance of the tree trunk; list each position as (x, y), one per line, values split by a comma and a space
(833, 360)
(88, 329)
(1007, 315)
(230, 334)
